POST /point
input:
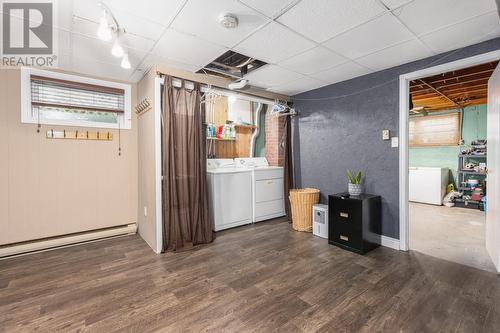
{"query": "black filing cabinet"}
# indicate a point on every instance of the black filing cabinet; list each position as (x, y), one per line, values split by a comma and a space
(354, 221)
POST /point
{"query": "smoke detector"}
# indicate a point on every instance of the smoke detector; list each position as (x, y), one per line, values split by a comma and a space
(228, 21)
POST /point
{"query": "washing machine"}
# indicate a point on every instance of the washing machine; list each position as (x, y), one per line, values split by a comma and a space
(229, 194)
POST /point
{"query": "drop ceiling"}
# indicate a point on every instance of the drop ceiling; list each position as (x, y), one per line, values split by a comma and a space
(307, 43)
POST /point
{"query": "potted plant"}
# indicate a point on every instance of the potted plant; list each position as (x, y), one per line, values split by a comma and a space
(355, 186)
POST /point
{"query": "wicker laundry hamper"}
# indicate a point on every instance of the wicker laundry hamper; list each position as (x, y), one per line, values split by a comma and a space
(301, 202)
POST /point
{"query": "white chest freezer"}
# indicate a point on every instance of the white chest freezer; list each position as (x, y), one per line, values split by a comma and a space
(427, 184)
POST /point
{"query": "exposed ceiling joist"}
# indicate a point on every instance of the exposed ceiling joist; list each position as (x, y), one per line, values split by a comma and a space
(437, 91)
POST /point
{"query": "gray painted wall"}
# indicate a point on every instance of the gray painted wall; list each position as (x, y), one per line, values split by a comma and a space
(335, 134)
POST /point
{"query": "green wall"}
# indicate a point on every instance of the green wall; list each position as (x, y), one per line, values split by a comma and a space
(473, 127)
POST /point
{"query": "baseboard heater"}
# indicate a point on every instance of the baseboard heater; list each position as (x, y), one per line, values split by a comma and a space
(66, 240)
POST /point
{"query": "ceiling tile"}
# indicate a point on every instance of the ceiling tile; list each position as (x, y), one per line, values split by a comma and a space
(313, 61)
(159, 11)
(136, 76)
(392, 4)
(94, 49)
(372, 36)
(271, 75)
(89, 29)
(322, 19)
(201, 18)
(273, 43)
(395, 55)
(131, 23)
(98, 69)
(298, 86)
(151, 60)
(423, 16)
(342, 72)
(463, 34)
(270, 8)
(187, 49)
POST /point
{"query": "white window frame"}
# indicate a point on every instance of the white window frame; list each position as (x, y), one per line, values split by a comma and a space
(27, 116)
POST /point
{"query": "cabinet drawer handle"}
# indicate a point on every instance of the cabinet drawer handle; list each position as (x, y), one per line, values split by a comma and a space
(344, 215)
(344, 238)
(270, 182)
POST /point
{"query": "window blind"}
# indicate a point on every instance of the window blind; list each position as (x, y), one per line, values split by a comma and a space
(55, 93)
(437, 130)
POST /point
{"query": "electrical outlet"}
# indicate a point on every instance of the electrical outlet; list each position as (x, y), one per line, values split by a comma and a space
(145, 211)
(386, 135)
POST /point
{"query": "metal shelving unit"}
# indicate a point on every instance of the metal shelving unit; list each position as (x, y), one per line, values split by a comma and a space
(461, 178)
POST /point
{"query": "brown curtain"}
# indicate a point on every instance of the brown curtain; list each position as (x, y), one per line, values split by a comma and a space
(288, 164)
(186, 220)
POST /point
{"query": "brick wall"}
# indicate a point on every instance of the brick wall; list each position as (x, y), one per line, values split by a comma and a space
(274, 131)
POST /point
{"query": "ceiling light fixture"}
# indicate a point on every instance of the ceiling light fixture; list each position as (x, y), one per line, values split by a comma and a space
(108, 26)
(125, 62)
(117, 49)
(104, 32)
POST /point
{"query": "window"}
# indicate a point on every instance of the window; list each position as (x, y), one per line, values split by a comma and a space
(53, 98)
(438, 130)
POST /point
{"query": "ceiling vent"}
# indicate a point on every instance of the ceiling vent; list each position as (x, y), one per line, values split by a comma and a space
(232, 65)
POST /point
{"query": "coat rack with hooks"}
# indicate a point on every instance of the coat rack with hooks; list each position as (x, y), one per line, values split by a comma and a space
(143, 106)
(79, 135)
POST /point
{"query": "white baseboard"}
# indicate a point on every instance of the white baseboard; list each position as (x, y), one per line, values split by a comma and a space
(389, 242)
(48, 244)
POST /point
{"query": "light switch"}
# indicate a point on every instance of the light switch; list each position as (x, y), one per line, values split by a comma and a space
(145, 211)
(386, 134)
(394, 142)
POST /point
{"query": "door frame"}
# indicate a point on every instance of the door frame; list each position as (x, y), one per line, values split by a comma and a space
(404, 92)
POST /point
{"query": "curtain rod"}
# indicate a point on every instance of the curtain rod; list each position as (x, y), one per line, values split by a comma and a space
(226, 92)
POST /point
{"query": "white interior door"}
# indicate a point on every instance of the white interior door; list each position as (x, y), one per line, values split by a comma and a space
(493, 180)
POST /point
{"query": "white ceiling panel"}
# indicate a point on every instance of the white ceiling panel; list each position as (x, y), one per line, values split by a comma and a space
(372, 36)
(323, 19)
(90, 48)
(470, 32)
(273, 43)
(271, 75)
(298, 86)
(395, 55)
(201, 18)
(130, 22)
(101, 70)
(342, 72)
(423, 16)
(187, 49)
(89, 29)
(392, 4)
(151, 60)
(313, 61)
(270, 8)
(159, 11)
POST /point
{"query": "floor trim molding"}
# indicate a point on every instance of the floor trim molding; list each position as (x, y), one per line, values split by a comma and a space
(389, 242)
(50, 244)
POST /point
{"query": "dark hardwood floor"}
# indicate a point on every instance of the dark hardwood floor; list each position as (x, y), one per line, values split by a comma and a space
(259, 278)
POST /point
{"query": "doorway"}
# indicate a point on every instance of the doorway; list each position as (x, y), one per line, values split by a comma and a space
(443, 152)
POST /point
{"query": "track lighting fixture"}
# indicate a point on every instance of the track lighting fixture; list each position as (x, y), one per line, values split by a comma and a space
(104, 32)
(108, 26)
(117, 49)
(125, 62)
